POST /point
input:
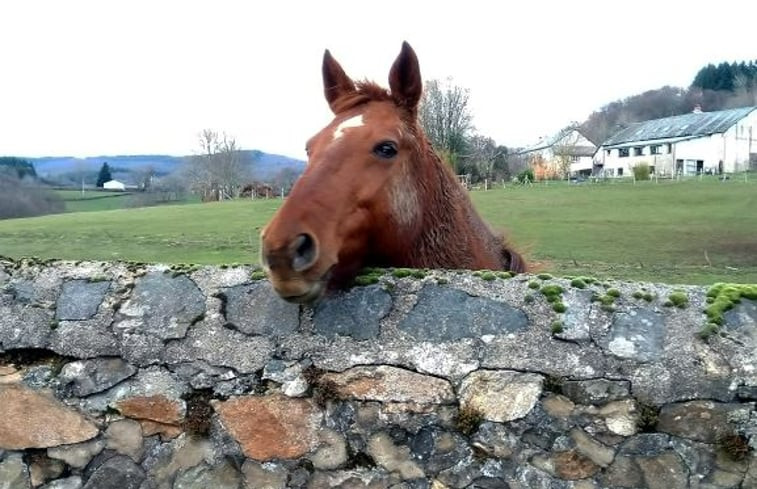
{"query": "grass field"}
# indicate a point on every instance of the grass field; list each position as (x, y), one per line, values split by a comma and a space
(675, 232)
(96, 200)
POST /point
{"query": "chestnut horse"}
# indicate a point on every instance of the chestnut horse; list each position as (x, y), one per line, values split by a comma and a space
(374, 193)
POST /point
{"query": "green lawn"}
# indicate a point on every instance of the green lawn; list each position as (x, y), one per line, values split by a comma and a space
(656, 232)
(96, 200)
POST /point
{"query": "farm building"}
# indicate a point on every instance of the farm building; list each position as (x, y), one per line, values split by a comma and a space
(568, 151)
(114, 185)
(723, 141)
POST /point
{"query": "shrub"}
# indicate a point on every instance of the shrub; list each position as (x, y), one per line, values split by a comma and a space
(526, 175)
(641, 171)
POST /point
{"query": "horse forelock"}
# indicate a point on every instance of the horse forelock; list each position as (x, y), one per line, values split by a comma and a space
(365, 91)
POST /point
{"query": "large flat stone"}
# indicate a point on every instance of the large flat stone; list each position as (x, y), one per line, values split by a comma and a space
(354, 313)
(257, 309)
(444, 314)
(166, 305)
(389, 384)
(271, 427)
(636, 335)
(32, 420)
(80, 299)
(24, 327)
(702, 421)
(500, 395)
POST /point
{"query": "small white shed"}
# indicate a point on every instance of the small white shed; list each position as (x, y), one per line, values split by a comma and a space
(114, 185)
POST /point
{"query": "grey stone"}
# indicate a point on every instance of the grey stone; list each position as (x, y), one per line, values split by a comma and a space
(596, 391)
(445, 314)
(392, 457)
(151, 381)
(23, 291)
(489, 483)
(89, 376)
(439, 449)
(140, 349)
(165, 305)
(257, 309)
(14, 473)
(84, 339)
(289, 375)
(80, 299)
(73, 482)
(25, 327)
(747, 392)
(269, 475)
(125, 437)
(646, 445)
(636, 335)
(666, 471)
(221, 347)
(43, 469)
(495, 440)
(118, 472)
(701, 421)
(355, 313)
(77, 455)
(223, 476)
(466, 471)
(743, 316)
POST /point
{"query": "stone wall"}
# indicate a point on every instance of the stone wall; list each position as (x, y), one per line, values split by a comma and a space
(132, 376)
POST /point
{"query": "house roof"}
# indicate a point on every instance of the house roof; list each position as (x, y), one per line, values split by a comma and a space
(680, 126)
(548, 142)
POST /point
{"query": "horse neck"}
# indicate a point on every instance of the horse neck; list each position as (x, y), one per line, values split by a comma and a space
(450, 227)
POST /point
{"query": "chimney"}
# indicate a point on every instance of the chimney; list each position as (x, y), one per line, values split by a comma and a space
(697, 109)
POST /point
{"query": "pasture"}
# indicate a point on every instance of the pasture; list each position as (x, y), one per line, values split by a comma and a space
(675, 232)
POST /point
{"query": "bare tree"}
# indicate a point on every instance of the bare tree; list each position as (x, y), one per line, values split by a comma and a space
(566, 150)
(219, 170)
(445, 117)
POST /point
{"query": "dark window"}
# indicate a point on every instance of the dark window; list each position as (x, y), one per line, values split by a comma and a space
(620, 172)
(608, 152)
(623, 152)
(655, 149)
(670, 148)
(638, 151)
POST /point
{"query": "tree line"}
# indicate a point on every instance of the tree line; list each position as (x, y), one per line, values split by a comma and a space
(715, 87)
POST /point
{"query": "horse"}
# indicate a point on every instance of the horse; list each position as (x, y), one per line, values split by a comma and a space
(374, 193)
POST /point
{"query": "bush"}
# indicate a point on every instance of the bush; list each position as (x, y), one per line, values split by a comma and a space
(525, 175)
(641, 171)
(21, 199)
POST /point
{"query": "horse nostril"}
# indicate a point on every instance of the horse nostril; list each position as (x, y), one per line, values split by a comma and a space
(305, 252)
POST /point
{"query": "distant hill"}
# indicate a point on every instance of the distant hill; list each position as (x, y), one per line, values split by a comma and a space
(264, 166)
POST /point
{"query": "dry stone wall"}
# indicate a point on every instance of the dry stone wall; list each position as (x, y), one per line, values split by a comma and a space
(132, 376)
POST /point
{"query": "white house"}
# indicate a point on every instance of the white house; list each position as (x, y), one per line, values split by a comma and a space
(567, 150)
(114, 185)
(723, 141)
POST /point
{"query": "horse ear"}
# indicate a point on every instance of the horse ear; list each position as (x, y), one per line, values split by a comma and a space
(405, 78)
(336, 83)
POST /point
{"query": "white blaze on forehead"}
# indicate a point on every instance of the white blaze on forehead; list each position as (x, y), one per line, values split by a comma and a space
(355, 121)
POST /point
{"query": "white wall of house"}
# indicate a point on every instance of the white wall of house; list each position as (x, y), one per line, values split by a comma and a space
(704, 153)
(114, 185)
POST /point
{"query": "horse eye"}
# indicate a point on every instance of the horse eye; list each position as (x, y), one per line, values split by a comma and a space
(386, 150)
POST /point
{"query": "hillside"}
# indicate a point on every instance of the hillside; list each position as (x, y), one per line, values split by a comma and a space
(264, 166)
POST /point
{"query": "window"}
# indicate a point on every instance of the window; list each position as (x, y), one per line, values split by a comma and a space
(670, 148)
(620, 172)
(655, 149)
(638, 151)
(608, 152)
(623, 152)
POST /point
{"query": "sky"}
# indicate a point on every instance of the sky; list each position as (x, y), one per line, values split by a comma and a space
(88, 78)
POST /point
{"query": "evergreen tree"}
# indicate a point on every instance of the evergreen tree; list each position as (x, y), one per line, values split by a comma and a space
(104, 175)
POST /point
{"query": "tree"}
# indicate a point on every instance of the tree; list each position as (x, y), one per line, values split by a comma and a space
(445, 117)
(219, 170)
(104, 175)
(21, 167)
(566, 150)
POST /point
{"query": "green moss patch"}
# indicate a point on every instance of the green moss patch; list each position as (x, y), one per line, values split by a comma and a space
(578, 283)
(722, 297)
(678, 299)
(557, 327)
(257, 275)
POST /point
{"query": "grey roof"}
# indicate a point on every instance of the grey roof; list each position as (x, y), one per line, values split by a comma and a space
(678, 126)
(553, 140)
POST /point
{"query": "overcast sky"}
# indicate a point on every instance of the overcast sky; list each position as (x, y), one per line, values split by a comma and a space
(139, 77)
